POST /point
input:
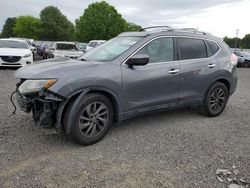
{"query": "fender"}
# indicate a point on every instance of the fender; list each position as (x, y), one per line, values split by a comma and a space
(214, 80)
(78, 103)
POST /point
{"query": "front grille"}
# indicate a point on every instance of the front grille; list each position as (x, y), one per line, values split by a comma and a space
(11, 59)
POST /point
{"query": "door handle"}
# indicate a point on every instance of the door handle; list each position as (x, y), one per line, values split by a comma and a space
(211, 65)
(174, 71)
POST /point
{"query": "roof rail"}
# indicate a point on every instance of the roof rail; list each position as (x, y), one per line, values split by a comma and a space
(193, 30)
(168, 28)
(154, 27)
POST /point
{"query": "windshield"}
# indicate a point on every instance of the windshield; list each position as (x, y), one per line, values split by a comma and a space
(245, 53)
(111, 49)
(65, 46)
(82, 45)
(242, 53)
(13, 44)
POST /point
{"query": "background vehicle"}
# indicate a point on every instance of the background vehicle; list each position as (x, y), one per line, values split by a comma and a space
(94, 43)
(43, 49)
(64, 49)
(15, 53)
(82, 46)
(243, 58)
(133, 74)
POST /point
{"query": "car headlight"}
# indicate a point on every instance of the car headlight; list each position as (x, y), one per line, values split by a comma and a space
(34, 86)
(27, 55)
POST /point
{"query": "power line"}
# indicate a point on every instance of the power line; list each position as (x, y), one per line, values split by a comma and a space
(236, 39)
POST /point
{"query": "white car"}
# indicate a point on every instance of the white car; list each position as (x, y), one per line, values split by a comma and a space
(64, 49)
(15, 53)
(94, 43)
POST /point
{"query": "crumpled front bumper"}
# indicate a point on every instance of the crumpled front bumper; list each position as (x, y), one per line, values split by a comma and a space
(43, 110)
(24, 104)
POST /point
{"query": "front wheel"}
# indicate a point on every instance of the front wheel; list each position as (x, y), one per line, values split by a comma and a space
(247, 63)
(92, 119)
(216, 100)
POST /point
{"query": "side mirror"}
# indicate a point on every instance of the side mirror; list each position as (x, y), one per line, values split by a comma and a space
(52, 49)
(138, 60)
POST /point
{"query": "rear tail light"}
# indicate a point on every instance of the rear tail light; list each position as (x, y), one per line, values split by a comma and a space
(234, 59)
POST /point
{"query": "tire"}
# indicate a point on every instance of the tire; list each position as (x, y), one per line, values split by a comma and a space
(88, 128)
(216, 100)
(247, 63)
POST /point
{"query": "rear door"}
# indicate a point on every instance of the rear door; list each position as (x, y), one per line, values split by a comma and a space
(197, 68)
(156, 84)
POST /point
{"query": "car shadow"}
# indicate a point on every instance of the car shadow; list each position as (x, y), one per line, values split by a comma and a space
(163, 116)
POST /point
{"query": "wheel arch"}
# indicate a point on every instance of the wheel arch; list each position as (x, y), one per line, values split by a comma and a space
(81, 93)
(223, 80)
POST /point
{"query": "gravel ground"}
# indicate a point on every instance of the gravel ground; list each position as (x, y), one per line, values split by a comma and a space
(178, 148)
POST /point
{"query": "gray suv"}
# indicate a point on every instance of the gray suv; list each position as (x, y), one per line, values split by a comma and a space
(133, 74)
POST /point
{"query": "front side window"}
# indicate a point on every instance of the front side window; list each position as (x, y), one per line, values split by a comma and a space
(159, 50)
(191, 48)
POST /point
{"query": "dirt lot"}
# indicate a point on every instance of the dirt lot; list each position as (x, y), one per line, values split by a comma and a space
(180, 148)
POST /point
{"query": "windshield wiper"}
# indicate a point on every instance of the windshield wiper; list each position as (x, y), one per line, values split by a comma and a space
(83, 59)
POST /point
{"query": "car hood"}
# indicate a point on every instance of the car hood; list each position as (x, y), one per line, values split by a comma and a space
(68, 53)
(13, 52)
(52, 68)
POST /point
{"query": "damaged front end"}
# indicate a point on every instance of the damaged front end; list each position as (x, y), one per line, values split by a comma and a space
(34, 96)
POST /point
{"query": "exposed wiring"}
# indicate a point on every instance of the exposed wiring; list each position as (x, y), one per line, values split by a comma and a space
(12, 102)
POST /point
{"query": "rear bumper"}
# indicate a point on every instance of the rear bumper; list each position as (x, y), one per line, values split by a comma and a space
(234, 81)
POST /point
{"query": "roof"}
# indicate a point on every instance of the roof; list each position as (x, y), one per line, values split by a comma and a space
(166, 30)
(14, 39)
(63, 42)
(97, 41)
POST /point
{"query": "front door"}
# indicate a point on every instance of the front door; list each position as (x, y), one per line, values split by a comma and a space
(156, 84)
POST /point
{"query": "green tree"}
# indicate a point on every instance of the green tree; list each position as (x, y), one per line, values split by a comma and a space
(99, 21)
(27, 27)
(231, 42)
(132, 27)
(8, 28)
(246, 41)
(55, 25)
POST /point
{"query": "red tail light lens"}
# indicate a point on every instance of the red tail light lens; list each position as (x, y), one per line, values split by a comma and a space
(234, 59)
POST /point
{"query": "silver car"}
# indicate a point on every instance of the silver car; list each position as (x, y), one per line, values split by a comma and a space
(133, 74)
(243, 58)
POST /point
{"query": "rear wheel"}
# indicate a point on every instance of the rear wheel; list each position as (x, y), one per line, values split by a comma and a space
(216, 100)
(91, 120)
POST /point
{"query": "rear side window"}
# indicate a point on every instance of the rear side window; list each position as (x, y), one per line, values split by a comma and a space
(192, 48)
(214, 48)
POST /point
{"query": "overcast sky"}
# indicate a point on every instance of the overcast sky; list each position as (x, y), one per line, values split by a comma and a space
(220, 17)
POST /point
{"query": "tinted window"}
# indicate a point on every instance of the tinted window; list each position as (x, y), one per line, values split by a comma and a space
(214, 48)
(192, 48)
(159, 50)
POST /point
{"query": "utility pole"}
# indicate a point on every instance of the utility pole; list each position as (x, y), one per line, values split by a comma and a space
(236, 39)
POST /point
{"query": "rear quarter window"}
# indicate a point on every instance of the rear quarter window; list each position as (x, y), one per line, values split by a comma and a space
(213, 47)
